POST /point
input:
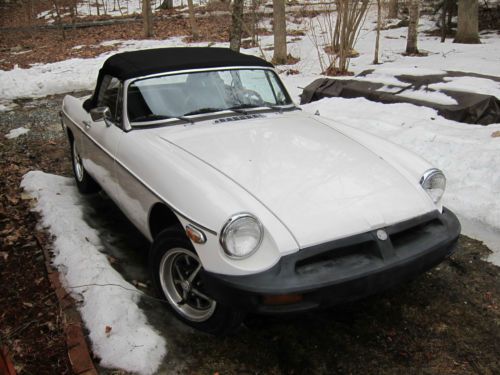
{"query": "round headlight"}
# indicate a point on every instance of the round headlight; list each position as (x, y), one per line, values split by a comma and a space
(434, 183)
(241, 235)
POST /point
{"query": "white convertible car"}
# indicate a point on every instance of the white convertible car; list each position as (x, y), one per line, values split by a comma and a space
(251, 204)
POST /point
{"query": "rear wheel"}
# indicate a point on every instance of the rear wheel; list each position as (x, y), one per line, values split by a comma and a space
(175, 270)
(85, 183)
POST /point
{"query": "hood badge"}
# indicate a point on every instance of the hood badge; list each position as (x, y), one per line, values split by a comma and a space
(382, 235)
(236, 118)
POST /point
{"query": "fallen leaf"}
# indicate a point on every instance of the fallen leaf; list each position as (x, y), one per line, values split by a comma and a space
(26, 196)
(107, 330)
(4, 255)
(27, 304)
(495, 134)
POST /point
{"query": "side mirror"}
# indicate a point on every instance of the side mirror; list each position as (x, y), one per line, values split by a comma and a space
(100, 114)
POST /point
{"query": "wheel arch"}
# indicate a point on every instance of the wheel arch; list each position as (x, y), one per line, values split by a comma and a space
(70, 135)
(161, 217)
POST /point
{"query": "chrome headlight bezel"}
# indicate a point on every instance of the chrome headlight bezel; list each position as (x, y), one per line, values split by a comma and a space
(228, 225)
(427, 179)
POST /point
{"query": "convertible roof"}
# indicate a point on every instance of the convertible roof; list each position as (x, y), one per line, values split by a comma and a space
(140, 63)
(134, 64)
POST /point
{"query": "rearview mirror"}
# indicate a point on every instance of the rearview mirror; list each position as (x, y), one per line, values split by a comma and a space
(100, 113)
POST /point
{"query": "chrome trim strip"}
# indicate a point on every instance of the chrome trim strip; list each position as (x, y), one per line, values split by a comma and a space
(178, 212)
(232, 219)
(430, 173)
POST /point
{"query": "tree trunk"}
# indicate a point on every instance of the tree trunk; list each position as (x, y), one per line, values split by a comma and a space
(237, 19)
(147, 18)
(192, 20)
(58, 18)
(279, 29)
(254, 22)
(393, 9)
(167, 4)
(414, 15)
(444, 30)
(468, 28)
(377, 39)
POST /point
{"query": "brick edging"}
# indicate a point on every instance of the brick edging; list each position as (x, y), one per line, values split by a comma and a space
(78, 349)
(6, 365)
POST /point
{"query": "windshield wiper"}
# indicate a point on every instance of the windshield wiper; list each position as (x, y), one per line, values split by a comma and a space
(251, 106)
(236, 109)
(204, 110)
(155, 117)
(210, 110)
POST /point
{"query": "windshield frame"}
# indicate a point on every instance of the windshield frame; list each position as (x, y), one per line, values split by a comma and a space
(175, 121)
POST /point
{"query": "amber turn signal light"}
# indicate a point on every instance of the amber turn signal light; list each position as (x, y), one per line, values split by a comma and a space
(195, 235)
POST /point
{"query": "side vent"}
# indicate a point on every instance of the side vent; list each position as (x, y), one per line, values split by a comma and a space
(237, 118)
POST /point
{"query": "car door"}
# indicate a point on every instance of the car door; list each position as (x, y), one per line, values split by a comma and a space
(105, 135)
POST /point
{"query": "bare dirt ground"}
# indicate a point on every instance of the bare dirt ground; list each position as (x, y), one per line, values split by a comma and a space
(445, 322)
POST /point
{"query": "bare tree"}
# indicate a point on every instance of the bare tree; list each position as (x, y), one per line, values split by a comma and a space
(255, 21)
(237, 20)
(335, 32)
(147, 18)
(393, 9)
(414, 15)
(377, 39)
(279, 29)
(192, 20)
(59, 18)
(468, 28)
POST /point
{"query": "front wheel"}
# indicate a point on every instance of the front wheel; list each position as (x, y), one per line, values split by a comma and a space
(85, 183)
(175, 270)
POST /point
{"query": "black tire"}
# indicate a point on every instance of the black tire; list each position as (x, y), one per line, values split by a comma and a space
(84, 182)
(170, 248)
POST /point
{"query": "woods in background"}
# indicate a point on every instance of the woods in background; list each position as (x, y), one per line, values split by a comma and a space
(332, 25)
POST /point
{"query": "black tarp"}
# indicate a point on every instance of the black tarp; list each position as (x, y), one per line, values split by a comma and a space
(471, 108)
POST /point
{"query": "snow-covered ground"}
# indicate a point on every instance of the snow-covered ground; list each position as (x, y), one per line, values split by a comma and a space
(468, 154)
(112, 8)
(119, 332)
(14, 133)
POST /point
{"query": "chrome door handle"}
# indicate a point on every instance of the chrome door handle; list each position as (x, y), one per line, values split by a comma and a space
(87, 125)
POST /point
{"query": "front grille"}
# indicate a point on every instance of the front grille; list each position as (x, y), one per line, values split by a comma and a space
(414, 233)
(371, 252)
(348, 256)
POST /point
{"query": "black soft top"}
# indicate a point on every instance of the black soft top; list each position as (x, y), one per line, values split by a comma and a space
(134, 64)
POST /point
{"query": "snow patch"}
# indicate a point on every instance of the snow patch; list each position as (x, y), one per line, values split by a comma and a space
(429, 96)
(132, 344)
(6, 105)
(469, 84)
(14, 133)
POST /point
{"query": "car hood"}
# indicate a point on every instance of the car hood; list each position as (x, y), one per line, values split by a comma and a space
(321, 184)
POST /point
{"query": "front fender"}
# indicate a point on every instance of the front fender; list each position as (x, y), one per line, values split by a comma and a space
(198, 194)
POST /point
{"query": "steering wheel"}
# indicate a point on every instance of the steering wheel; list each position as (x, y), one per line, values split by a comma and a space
(251, 97)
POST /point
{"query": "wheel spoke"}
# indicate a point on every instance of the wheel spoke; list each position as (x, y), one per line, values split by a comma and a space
(179, 272)
(195, 272)
(200, 294)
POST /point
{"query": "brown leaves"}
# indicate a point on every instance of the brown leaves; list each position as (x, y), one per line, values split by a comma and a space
(107, 330)
(46, 45)
(495, 134)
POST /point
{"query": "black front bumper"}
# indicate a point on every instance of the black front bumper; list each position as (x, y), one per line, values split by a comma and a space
(344, 270)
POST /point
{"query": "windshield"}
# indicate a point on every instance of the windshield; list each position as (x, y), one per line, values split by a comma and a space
(175, 96)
